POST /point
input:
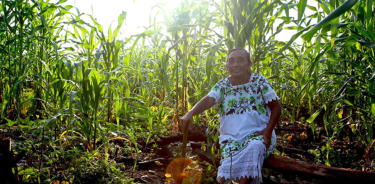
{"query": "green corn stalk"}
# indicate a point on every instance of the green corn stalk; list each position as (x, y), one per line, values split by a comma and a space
(111, 51)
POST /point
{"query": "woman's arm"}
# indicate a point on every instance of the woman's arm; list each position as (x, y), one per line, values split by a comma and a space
(204, 104)
(275, 108)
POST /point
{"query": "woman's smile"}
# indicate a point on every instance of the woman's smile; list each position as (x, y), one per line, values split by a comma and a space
(237, 64)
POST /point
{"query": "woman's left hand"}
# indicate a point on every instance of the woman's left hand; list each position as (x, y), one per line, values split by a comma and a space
(267, 134)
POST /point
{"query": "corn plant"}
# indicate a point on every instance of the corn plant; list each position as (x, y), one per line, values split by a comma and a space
(340, 68)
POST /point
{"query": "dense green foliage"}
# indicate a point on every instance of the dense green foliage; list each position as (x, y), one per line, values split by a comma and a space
(67, 78)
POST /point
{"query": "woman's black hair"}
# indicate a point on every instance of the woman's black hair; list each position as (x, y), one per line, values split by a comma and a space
(247, 55)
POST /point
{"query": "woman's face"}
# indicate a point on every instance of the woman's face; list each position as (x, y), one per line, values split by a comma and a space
(237, 64)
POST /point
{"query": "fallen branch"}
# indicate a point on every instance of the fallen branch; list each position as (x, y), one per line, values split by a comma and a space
(206, 157)
(285, 164)
(144, 163)
(296, 151)
(196, 133)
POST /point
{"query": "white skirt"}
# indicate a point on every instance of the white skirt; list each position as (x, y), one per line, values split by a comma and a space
(244, 159)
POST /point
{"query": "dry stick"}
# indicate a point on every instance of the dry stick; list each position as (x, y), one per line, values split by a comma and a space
(184, 142)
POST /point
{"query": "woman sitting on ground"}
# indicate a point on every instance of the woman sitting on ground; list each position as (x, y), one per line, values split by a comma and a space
(249, 110)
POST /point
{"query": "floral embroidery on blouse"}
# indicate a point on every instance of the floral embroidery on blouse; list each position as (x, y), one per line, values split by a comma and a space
(243, 98)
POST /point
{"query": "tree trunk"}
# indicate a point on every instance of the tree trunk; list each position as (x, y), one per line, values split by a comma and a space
(321, 171)
(8, 161)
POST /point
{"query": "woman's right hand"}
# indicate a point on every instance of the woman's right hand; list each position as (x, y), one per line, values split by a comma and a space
(186, 121)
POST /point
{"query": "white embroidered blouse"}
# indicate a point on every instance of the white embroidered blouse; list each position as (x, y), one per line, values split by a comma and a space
(243, 108)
